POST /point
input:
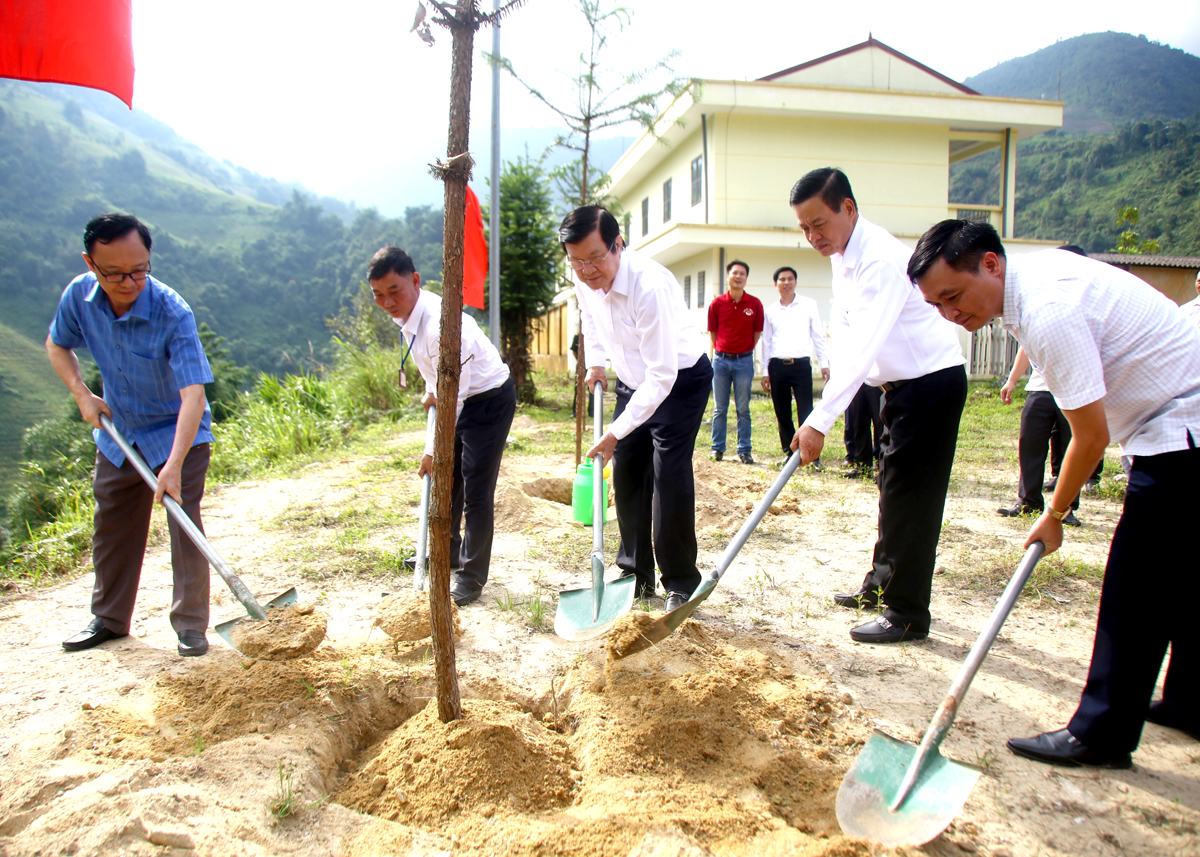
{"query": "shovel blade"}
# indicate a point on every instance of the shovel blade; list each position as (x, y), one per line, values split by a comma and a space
(666, 624)
(871, 785)
(579, 618)
(225, 629)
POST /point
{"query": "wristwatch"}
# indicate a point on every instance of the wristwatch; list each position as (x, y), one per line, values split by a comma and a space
(1055, 514)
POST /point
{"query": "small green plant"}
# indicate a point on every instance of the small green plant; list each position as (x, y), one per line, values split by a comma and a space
(286, 801)
(198, 743)
(349, 680)
(506, 602)
(538, 612)
(309, 690)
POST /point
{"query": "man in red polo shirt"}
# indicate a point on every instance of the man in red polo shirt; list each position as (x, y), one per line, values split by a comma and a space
(735, 323)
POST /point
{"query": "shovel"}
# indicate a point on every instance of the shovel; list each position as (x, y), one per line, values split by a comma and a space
(665, 625)
(586, 613)
(894, 797)
(240, 592)
(423, 526)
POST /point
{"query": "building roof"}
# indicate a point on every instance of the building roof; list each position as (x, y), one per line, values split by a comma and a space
(871, 42)
(1148, 261)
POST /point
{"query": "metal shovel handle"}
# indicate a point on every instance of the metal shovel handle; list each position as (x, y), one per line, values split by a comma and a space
(940, 724)
(423, 525)
(186, 524)
(760, 511)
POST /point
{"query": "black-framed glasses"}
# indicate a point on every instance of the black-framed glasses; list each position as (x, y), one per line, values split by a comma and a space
(580, 264)
(138, 276)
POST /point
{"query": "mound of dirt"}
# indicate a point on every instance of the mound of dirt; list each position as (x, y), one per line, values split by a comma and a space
(628, 633)
(405, 616)
(554, 489)
(496, 760)
(287, 632)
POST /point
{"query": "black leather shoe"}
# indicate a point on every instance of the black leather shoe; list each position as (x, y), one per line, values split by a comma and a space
(717, 455)
(883, 631)
(1017, 511)
(464, 593)
(1051, 485)
(857, 600)
(1171, 718)
(93, 635)
(1062, 748)
(746, 457)
(192, 644)
(1069, 520)
(818, 466)
(675, 600)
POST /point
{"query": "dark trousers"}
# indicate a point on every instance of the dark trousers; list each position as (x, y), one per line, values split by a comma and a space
(863, 421)
(124, 503)
(1150, 550)
(479, 438)
(653, 484)
(791, 379)
(920, 433)
(1041, 424)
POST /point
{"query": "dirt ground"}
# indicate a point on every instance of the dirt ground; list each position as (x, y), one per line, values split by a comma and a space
(730, 738)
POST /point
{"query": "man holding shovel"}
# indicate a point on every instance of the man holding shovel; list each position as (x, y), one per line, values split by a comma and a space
(486, 403)
(634, 315)
(143, 338)
(1121, 362)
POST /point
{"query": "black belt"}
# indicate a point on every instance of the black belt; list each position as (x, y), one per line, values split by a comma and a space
(726, 354)
(786, 361)
(490, 394)
(888, 386)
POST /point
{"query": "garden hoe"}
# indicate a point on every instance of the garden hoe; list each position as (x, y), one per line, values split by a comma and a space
(423, 525)
(895, 797)
(665, 625)
(587, 613)
(240, 592)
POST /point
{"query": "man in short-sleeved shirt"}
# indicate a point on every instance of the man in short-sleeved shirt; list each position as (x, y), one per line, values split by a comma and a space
(1122, 363)
(735, 324)
(143, 338)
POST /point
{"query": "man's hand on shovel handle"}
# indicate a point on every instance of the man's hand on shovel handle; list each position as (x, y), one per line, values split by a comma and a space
(606, 446)
(810, 442)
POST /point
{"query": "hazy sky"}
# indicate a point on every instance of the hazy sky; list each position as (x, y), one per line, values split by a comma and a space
(341, 97)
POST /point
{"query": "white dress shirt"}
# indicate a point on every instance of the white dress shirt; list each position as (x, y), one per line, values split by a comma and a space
(481, 367)
(644, 328)
(1100, 333)
(794, 331)
(1191, 311)
(892, 334)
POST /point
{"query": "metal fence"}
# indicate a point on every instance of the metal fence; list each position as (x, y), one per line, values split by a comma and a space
(993, 350)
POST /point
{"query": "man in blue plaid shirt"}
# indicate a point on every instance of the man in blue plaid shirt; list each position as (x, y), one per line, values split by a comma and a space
(143, 338)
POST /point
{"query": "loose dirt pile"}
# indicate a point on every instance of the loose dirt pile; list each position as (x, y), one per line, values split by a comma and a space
(628, 634)
(405, 617)
(288, 632)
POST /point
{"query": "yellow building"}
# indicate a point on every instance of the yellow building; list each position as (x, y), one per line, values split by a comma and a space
(711, 184)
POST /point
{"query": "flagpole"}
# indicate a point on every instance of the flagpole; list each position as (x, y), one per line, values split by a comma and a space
(494, 213)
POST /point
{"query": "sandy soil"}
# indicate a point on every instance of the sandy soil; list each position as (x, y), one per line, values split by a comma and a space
(730, 738)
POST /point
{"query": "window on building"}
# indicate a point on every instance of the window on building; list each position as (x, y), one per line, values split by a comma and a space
(687, 290)
(666, 200)
(646, 215)
(697, 181)
(628, 226)
(700, 289)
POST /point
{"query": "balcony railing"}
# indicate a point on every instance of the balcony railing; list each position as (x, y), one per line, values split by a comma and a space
(992, 214)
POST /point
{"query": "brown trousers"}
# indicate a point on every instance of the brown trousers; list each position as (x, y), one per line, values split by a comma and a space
(124, 503)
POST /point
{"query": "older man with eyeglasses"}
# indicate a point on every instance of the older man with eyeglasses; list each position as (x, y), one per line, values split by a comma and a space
(144, 340)
(634, 316)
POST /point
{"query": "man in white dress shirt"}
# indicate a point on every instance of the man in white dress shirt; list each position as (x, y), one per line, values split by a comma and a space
(486, 404)
(1122, 362)
(895, 341)
(792, 335)
(1191, 309)
(634, 316)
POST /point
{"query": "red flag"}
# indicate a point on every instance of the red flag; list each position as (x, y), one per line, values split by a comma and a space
(475, 253)
(84, 42)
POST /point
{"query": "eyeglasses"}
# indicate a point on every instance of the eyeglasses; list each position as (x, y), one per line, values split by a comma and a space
(580, 264)
(116, 277)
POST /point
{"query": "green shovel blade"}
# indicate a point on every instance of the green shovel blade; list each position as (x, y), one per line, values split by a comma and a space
(225, 629)
(867, 792)
(578, 617)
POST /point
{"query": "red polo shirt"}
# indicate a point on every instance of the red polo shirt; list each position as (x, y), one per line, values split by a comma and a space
(735, 323)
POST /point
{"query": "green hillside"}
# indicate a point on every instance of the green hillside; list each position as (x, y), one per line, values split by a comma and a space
(1105, 79)
(29, 392)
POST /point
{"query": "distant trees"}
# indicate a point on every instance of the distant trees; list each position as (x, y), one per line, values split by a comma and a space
(528, 263)
(1129, 241)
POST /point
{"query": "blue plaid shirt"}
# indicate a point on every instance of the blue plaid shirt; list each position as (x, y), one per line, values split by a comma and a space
(145, 358)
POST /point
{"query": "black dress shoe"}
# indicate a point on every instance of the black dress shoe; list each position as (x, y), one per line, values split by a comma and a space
(1062, 748)
(746, 457)
(717, 455)
(883, 631)
(1170, 717)
(93, 635)
(863, 598)
(675, 600)
(1069, 520)
(192, 644)
(464, 593)
(1017, 510)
